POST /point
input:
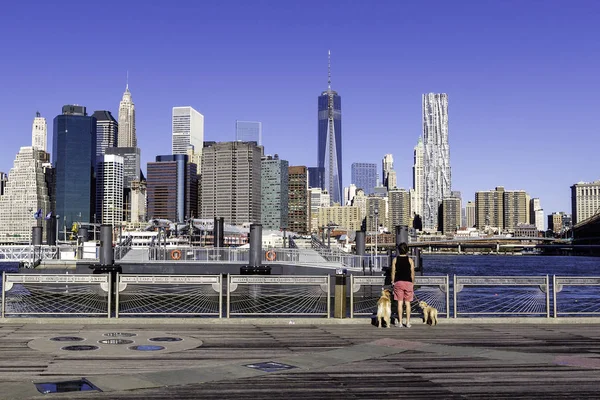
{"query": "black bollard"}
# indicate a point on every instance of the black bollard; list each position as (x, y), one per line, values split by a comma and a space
(36, 235)
(255, 240)
(218, 230)
(107, 256)
(51, 231)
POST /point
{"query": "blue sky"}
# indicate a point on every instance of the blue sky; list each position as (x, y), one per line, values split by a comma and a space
(522, 78)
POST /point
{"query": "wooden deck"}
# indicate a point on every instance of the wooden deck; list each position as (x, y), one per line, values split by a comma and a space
(349, 361)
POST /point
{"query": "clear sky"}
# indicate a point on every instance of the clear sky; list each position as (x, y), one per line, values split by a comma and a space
(521, 75)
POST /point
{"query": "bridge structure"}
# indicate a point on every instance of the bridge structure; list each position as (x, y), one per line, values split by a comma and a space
(487, 244)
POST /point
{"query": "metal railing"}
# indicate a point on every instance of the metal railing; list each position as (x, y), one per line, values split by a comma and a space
(169, 295)
(27, 252)
(575, 297)
(278, 295)
(60, 295)
(366, 290)
(501, 296)
(55, 295)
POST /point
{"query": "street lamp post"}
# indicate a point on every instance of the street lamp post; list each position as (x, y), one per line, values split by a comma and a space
(57, 219)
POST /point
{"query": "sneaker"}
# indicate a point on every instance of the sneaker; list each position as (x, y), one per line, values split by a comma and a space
(399, 326)
(408, 325)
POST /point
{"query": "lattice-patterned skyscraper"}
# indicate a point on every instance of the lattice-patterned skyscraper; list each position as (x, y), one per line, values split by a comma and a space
(436, 157)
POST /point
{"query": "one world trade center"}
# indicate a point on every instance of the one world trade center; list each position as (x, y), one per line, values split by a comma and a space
(330, 141)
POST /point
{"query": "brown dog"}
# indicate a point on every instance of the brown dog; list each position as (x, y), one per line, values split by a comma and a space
(429, 313)
(384, 308)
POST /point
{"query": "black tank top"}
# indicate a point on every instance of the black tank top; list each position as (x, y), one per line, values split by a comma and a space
(402, 269)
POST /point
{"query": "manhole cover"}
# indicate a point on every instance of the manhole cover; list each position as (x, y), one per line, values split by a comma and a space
(120, 334)
(270, 366)
(81, 385)
(115, 341)
(82, 347)
(165, 339)
(146, 347)
(67, 339)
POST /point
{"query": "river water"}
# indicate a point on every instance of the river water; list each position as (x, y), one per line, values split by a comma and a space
(500, 265)
(489, 265)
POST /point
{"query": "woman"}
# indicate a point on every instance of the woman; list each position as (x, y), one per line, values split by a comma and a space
(403, 277)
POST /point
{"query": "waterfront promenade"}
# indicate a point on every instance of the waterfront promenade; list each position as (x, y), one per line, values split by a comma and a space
(315, 358)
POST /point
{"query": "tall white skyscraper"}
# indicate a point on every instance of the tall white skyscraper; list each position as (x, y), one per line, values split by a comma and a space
(188, 129)
(536, 214)
(39, 132)
(126, 135)
(387, 171)
(112, 181)
(248, 131)
(25, 194)
(436, 157)
(416, 201)
(349, 193)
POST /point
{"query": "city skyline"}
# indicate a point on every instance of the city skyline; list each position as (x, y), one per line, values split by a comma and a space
(535, 96)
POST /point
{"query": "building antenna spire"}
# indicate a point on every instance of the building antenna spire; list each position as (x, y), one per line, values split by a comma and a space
(329, 69)
(127, 81)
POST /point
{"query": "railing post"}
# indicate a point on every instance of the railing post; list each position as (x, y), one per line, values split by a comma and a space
(117, 280)
(454, 287)
(329, 296)
(447, 297)
(547, 297)
(228, 292)
(554, 293)
(220, 295)
(351, 296)
(3, 292)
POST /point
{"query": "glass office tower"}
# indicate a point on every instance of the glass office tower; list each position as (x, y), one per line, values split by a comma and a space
(248, 131)
(74, 161)
(330, 142)
(364, 176)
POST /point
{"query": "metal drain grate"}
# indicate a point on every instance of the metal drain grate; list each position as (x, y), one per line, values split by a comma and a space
(165, 339)
(270, 366)
(115, 341)
(146, 347)
(120, 334)
(81, 385)
(81, 347)
(67, 339)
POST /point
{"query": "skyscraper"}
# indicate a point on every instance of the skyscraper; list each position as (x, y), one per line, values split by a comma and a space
(127, 136)
(74, 162)
(388, 173)
(274, 193)
(39, 132)
(231, 182)
(188, 129)
(364, 176)
(416, 202)
(585, 200)
(298, 218)
(25, 193)
(172, 188)
(112, 189)
(3, 180)
(470, 214)
(399, 208)
(248, 131)
(436, 157)
(330, 140)
(106, 132)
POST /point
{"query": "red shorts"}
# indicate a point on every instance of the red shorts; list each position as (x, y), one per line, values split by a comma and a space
(403, 291)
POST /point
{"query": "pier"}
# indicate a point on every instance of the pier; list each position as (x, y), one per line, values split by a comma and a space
(303, 359)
